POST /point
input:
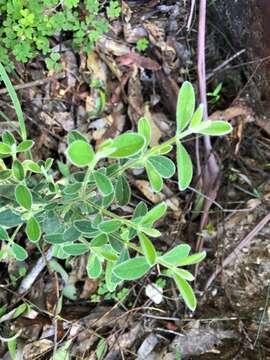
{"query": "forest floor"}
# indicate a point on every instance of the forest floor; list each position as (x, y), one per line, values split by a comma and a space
(232, 285)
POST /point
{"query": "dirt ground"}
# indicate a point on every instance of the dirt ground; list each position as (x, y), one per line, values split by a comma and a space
(232, 285)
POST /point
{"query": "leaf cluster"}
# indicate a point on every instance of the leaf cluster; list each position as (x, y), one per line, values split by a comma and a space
(81, 212)
(27, 26)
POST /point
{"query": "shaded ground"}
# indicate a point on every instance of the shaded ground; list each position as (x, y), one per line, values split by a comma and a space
(231, 321)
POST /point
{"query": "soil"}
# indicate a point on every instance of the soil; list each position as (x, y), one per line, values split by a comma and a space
(232, 318)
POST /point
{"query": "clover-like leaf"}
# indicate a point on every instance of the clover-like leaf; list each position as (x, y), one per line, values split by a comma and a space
(80, 153)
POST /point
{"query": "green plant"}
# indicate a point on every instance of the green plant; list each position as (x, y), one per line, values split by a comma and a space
(142, 44)
(73, 215)
(215, 95)
(27, 26)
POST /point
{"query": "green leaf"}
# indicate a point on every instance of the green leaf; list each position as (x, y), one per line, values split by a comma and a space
(18, 252)
(186, 292)
(164, 166)
(107, 252)
(3, 234)
(192, 259)
(127, 145)
(140, 210)
(56, 238)
(185, 106)
(8, 138)
(18, 170)
(80, 153)
(99, 240)
(25, 146)
(177, 253)
(184, 166)
(148, 249)
(197, 117)
(154, 214)
(184, 274)
(71, 234)
(15, 100)
(74, 135)
(85, 227)
(75, 249)
(144, 129)
(110, 226)
(9, 219)
(150, 231)
(32, 166)
(132, 269)
(93, 267)
(155, 179)
(122, 191)
(33, 230)
(215, 128)
(5, 149)
(23, 196)
(103, 183)
(164, 149)
(5, 174)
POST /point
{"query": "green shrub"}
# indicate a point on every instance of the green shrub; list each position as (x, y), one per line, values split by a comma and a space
(74, 215)
(27, 25)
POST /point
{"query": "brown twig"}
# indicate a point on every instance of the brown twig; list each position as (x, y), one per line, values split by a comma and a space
(34, 83)
(245, 242)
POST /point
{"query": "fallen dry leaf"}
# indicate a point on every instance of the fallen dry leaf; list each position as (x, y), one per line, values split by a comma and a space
(133, 59)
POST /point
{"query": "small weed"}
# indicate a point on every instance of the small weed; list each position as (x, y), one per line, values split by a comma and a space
(142, 44)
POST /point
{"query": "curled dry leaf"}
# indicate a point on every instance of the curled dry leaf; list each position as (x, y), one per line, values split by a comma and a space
(37, 348)
(133, 59)
(111, 46)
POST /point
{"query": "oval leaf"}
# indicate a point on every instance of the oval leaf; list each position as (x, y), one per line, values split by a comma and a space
(127, 145)
(93, 267)
(178, 253)
(148, 249)
(110, 226)
(155, 179)
(122, 191)
(33, 230)
(154, 214)
(75, 249)
(80, 153)
(18, 170)
(164, 166)
(132, 269)
(197, 117)
(185, 106)
(186, 292)
(23, 196)
(103, 183)
(25, 145)
(18, 252)
(216, 128)
(192, 259)
(184, 166)
(5, 149)
(144, 128)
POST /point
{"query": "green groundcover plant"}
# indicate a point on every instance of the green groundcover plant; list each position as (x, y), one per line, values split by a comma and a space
(79, 213)
(28, 25)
